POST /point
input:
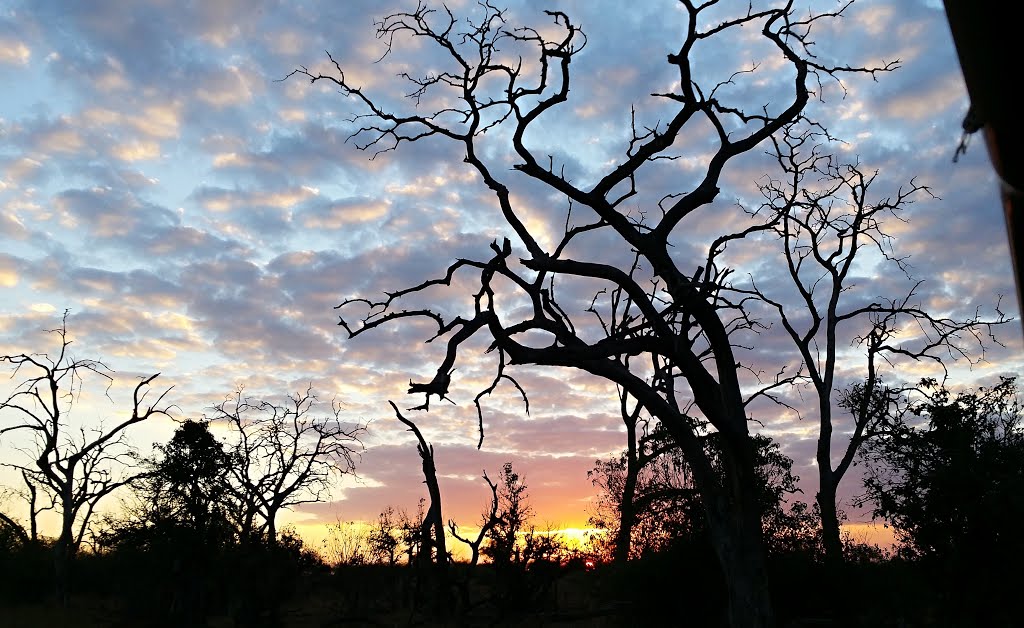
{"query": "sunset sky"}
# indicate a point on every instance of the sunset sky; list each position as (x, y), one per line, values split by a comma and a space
(201, 218)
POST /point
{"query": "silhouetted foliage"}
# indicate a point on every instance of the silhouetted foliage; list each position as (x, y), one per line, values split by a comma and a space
(26, 569)
(12, 535)
(524, 561)
(175, 538)
(666, 505)
(949, 477)
(504, 545)
(189, 484)
(385, 539)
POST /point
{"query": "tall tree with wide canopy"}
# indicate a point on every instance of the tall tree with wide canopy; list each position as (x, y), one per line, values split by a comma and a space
(507, 83)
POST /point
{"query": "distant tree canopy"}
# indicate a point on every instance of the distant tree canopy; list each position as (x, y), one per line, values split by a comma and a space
(666, 506)
(949, 475)
(183, 500)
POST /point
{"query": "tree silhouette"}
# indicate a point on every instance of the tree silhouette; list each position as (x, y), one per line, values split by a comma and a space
(12, 534)
(189, 483)
(433, 552)
(504, 545)
(177, 533)
(76, 466)
(664, 505)
(285, 455)
(948, 476)
(488, 520)
(828, 218)
(682, 316)
(38, 502)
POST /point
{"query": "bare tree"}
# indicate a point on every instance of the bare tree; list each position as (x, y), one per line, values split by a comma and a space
(75, 466)
(285, 455)
(488, 520)
(828, 218)
(433, 551)
(36, 502)
(682, 317)
(433, 522)
(616, 312)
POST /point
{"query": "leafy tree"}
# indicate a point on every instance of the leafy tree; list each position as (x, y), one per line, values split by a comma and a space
(385, 543)
(75, 467)
(505, 545)
(948, 476)
(176, 535)
(683, 317)
(189, 484)
(12, 535)
(525, 561)
(664, 505)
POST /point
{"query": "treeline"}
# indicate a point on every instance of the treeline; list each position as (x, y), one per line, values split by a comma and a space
(944, 470)
(196, 545)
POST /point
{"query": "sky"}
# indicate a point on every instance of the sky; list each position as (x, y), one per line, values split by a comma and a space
(200, 217)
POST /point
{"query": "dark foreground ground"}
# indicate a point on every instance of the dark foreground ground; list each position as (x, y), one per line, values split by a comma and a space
(643, 594)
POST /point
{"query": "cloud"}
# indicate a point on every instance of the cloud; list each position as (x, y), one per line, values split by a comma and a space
(9, 271)
(14, 52)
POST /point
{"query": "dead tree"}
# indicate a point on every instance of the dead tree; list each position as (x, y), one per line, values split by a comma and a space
(434, 548)
(284, 456)
(827, 221)
(616, 312)
(487, 88)
(488, 520)
(75, 466)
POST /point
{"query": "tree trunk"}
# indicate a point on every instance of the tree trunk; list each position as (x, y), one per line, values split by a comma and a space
(627, 514)
(729, 496)
(734, 518)
(33, 514)
(272, 528)
(746, 576)
(830, 533)
(64, 550)
(62, 569)
(434, 535)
